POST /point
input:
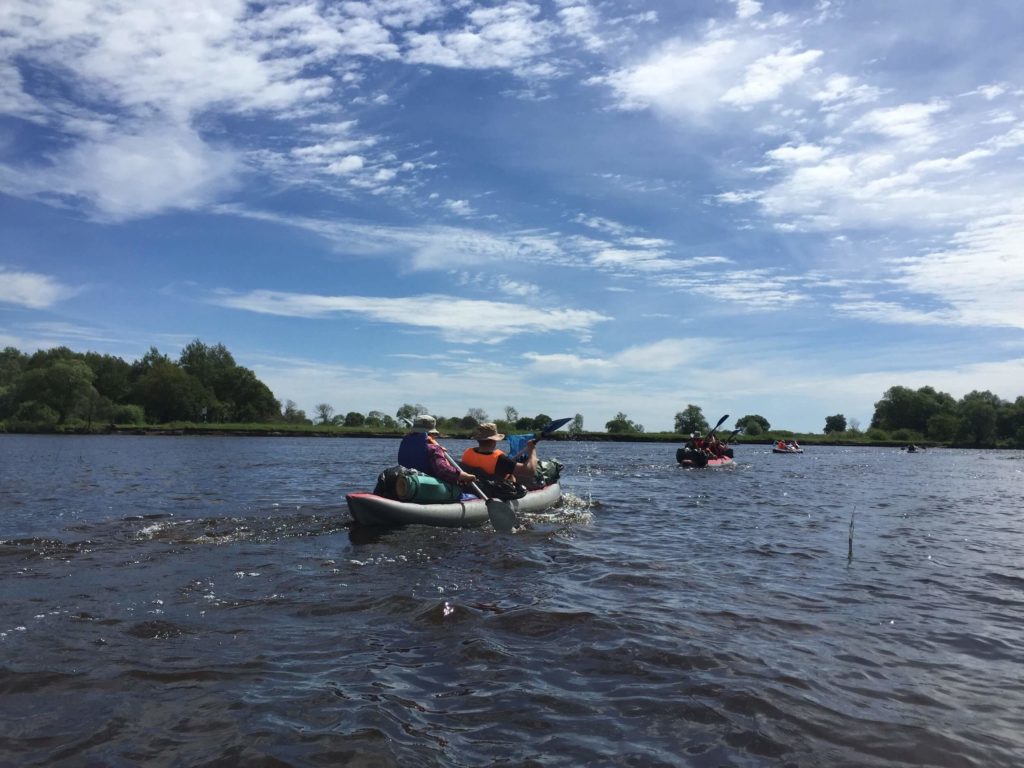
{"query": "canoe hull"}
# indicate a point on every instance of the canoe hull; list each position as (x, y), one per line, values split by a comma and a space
(369, 509)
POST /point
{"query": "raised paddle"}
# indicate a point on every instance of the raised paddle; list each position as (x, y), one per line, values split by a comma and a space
(715, 428)
(545, 431)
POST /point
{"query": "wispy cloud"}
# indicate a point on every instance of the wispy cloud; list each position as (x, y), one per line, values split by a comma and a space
(31, 290)
(455, 318)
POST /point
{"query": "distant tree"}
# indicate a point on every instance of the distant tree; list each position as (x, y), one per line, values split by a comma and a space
(62, 383)
(324, 412)
(753, 428)
(410, 412)
(540, 421)
(207, 364)
(621, 424)
(112, 376)
(376, 419)
(292, 414)
(576, 427)
(854, 426)
(12, 364)
(127, 415)
(354, 419)
(524, 423)
(34, 412)
(691, 420)
(745, 421)
(978, 414)
(511, 414)
(167, 393)
(901, 407)
(244, 398)
(835, 423)
(478, 415)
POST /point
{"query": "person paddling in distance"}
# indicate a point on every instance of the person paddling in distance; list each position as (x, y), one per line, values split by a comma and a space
(420, 450)
(486, 461)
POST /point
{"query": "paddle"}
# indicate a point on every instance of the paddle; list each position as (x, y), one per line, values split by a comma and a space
(715, 429)
(545, 431)
(502, 516)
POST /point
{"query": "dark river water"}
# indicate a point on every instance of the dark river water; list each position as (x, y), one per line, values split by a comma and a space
(180, 601)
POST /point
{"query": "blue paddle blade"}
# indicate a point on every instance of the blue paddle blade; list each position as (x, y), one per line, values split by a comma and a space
(556, 424)
(517, 443)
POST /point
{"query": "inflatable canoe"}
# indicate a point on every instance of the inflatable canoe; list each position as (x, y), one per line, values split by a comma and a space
(688, 458)
(787, 450)
(369, 509)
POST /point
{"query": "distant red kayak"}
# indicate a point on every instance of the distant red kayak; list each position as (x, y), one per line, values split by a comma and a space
(698, 460)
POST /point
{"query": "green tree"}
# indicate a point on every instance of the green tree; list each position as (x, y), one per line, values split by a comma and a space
(540, 421)
(835, 423)
(354, 419)
(292, 414)
(244, 398)
(478, 415)
(901, 407)
(324, 412)
(168, 393)
(691, 420)
(979, 415)
(12, 364)
(576, 427)
(511, 414)
(61, 383)
(112, 376)
(621, 424)
(35, 413)
(410, 412)
(943, 427)
(745, 422)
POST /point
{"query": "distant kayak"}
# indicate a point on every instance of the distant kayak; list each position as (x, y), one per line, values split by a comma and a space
(370, 509)
(697, 459)
(787, 450)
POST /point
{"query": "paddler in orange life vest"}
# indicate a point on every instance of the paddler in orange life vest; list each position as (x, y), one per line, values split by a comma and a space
(487, 461)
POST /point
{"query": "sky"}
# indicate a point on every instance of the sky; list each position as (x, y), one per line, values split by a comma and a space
(563, 206)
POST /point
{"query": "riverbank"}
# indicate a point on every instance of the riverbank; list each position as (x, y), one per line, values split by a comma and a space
(329, 431)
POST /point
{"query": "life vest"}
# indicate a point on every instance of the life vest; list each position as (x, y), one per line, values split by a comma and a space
(412, 452)
(485, 462)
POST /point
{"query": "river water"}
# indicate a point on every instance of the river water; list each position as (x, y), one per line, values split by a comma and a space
(186, 601)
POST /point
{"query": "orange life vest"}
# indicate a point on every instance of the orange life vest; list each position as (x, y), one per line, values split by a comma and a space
(486, 462)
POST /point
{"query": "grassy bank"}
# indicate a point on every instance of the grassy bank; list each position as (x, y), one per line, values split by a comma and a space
(281, 429)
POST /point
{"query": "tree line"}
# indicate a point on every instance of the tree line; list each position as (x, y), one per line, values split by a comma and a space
(59, 387)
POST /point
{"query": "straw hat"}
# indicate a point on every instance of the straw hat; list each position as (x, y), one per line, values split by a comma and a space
(487, 431)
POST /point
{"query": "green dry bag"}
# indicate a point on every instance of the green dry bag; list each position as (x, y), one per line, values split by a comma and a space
(424, 489)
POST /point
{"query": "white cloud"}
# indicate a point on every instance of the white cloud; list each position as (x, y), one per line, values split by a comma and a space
(679, 79)
(745, 9)
(30, 289)
(508, 36)
(456, 319)
(906, 121)
(655, 357)
(766, 77)
(802, 154)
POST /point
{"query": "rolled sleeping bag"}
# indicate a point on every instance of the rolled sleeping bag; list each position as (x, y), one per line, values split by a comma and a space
(424, 489)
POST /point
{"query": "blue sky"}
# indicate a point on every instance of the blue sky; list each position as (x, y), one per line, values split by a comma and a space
(566, 206)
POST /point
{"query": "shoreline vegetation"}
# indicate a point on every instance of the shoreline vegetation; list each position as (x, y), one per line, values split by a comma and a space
(205, 392)
(331, 431)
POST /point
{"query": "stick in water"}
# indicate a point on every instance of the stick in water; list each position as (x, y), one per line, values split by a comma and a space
(849, 553)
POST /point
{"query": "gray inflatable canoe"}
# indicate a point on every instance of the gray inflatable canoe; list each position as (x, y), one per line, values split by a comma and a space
(368, 509)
